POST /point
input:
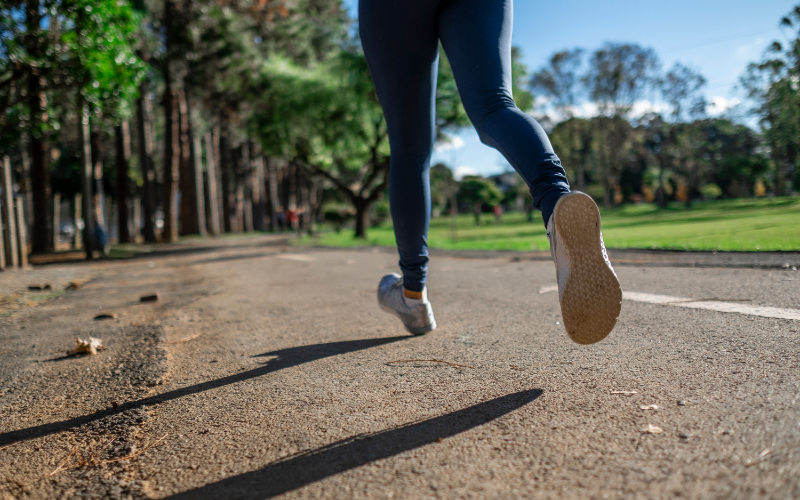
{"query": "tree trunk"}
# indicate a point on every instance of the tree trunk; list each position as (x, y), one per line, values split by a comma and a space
(199, 192)
(224, 167)
(123, 136)
(100, 192)
(274, 202)
(86, 182)
(362, 217)
(188, 208)
(146, 144)
(213, 187)
(37, 104)
(259, 207)
(40, 174)
(172, 160)
(247, 187)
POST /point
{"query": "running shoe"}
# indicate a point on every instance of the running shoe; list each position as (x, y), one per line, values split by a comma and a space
(588, 288)
(417, 319)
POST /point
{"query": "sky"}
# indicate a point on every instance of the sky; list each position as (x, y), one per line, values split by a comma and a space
(716, 37)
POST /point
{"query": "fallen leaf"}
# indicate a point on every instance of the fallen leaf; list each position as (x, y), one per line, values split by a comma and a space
(88, 346)
(150, 298)
(652, 429)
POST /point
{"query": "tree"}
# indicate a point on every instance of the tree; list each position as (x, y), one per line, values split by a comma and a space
(560, 82)
(617, 78)
(443, 187)
(682, 88)
(52, 45)
(477, 191)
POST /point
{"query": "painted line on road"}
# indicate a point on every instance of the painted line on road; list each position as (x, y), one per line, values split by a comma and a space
(297, 256)
(714, 305)
(710, 305)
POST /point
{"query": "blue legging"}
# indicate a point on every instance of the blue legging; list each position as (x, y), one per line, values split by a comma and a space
(401, 44)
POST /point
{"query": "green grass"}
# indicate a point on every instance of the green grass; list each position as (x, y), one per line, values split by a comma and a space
(743, 225)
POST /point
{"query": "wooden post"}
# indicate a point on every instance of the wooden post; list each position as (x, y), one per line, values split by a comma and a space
(213, 192)
(86, 183)
(56, 221)
(76, 221)
(22, 234)
(198, 186)
(10, 239)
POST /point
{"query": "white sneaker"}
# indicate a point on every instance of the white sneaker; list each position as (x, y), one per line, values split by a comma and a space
(588, 288)
(417, 319)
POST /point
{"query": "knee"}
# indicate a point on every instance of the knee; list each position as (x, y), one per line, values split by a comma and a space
(482, 113)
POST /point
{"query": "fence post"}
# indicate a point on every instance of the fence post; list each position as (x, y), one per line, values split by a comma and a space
(22, 233)
(9, 223)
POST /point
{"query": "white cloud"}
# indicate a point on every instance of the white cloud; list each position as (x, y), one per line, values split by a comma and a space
(449, 144)
(462, 171)
(721, 104)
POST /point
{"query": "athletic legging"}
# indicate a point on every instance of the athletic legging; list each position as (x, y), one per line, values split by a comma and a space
(401, 44)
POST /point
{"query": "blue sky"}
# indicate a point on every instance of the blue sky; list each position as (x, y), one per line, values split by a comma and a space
(718, 38)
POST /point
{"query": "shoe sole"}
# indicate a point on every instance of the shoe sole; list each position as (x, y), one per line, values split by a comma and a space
(410, 329)
(592, 298)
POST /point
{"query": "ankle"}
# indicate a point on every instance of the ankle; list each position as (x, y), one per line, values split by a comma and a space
(412, 298)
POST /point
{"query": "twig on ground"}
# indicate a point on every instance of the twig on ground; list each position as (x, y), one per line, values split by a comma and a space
(134, 455)
(10, 445)
(389, 363)
(184, 339)
(83, 462)
(63, 462)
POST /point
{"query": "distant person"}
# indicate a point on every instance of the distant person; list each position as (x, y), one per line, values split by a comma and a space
(401, 44)
(100, 238)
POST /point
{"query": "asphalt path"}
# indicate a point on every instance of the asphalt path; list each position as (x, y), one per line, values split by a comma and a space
(267, 371)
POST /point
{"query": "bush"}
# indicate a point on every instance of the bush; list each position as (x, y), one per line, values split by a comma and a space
(711, 191)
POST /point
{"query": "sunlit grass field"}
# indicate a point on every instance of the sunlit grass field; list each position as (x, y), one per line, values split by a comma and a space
(744, 225)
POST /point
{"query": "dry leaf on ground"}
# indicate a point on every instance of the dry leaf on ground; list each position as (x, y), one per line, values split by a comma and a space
(88, 346)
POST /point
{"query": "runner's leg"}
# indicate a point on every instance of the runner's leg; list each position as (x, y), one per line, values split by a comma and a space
(401, 46)
(476, 35)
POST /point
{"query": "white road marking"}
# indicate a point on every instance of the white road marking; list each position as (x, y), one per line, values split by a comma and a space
(548, 288)
(297, 256)
(710, 305)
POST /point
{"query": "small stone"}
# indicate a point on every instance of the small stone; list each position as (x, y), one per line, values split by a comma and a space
(683, 435)
(106, 316)
(150, 298)
(681, 402)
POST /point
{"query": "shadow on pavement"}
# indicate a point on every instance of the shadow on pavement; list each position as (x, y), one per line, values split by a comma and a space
(286, 358)
(305, 468)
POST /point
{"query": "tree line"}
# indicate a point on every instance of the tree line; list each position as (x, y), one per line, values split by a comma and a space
(178, 117)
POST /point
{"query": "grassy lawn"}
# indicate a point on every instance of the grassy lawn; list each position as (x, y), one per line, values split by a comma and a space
(748, 224)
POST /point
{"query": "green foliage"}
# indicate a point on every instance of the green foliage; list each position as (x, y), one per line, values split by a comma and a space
(711, 191)
(101, 43)
(478, 191)
(740, 225)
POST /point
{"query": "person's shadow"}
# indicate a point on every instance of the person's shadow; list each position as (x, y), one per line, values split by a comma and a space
(285, 358)
(308, 467)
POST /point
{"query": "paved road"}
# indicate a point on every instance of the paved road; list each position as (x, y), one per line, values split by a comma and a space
(266, 371)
